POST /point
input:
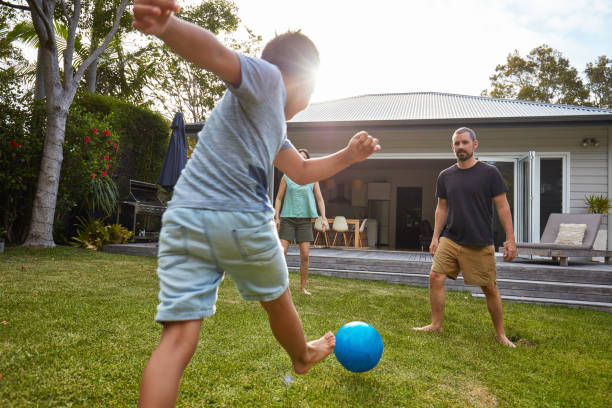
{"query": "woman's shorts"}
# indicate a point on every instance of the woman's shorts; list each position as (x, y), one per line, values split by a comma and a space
(296, 229)
(196, 248)
(476, 263)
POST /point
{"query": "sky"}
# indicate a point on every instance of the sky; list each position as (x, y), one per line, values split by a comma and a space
(392, 46)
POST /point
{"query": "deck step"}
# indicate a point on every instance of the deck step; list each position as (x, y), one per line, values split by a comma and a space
(548, 273)
(564, 302)
(550, 284)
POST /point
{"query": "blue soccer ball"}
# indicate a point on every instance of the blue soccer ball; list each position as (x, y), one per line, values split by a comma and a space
(358, 347)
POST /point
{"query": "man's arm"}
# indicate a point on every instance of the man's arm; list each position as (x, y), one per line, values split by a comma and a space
(303, 171)
(439, 223)
(505, 217)
(193, 43)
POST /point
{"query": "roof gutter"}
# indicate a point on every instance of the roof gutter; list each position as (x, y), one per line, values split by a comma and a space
(516, 121)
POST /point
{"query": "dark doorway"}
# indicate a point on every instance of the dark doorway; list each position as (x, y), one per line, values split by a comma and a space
(551, 188)
(408, 217)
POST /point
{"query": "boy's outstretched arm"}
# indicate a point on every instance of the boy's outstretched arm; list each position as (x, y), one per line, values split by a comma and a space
(302, 171)
(191, 42)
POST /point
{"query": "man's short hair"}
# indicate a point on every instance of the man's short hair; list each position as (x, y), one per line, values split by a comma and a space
(465, 130)
(293, 53)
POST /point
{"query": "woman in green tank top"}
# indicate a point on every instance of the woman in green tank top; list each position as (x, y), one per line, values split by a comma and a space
(299, 206)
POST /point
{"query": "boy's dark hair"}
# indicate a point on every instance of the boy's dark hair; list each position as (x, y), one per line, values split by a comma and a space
(293, 53)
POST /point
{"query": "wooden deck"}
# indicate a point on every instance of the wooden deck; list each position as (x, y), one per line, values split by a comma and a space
(580, 284)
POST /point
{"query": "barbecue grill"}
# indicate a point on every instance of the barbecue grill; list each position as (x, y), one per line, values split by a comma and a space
(143, 197)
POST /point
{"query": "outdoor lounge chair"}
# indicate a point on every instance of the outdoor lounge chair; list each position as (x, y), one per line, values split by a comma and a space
(547, 246)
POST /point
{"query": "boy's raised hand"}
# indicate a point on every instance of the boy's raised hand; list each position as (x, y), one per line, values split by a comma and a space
(362, 145)
(151, 16)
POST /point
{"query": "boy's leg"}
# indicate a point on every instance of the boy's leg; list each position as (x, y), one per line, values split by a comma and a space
(287, 329)
(304, 255)
(162, 375)
(437, 300)
(494, 304)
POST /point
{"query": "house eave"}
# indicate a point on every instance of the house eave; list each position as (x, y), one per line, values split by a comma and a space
(566, 120)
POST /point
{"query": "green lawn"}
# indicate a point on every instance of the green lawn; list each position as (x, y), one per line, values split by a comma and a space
(76, 329)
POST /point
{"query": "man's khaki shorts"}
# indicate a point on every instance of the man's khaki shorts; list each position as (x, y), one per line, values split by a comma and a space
(476, 263)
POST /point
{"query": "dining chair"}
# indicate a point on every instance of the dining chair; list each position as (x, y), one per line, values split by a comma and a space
(318, 226)
(340, 226)
(363, 233)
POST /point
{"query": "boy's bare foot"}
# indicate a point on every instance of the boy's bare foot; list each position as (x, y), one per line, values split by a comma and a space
(428, 328)
(506, 342)
(305, 292)
(316, 351)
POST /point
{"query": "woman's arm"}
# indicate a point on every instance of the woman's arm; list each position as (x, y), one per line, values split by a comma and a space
(321, 204)
(278, 203)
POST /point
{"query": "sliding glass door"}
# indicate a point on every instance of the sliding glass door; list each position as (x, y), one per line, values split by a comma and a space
(527, 199)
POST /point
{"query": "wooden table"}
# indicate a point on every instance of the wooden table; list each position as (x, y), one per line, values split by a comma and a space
(350, 221)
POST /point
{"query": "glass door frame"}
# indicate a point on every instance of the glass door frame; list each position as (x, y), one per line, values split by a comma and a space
(531, 190)
(527, 198)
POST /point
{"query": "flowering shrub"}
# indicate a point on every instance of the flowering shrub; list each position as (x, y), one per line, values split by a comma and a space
(90, 157)
(107, 142)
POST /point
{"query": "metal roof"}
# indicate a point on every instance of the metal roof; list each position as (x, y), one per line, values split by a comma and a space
(434, 106)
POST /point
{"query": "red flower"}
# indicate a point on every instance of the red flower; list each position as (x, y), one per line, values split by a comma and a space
(115, 145)
(94, 131)
(104, 173)
(93, 175)
(106, 132)
(107, 157)
(108, 166)
(14, 143)
(110, 142)
(87, 139)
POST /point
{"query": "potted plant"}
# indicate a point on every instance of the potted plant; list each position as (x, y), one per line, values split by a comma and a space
(599, 204)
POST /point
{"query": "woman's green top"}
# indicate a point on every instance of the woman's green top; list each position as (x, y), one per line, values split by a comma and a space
(299, 201)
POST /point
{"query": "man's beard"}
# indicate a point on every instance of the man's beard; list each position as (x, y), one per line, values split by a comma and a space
(465, 155)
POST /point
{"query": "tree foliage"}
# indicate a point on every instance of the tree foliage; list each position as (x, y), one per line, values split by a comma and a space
(188, 88)
(599, 76)
(544, 75)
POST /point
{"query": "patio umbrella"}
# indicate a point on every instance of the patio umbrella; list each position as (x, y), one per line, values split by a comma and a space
(176, 155)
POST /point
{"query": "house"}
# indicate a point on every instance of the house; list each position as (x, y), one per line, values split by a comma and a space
(551, 156)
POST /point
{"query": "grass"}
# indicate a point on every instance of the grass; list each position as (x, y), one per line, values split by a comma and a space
(76, 329)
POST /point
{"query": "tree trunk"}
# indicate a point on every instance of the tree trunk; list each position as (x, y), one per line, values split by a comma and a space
(39, 87)
(41, 225)
(59, 99)
(90, 76)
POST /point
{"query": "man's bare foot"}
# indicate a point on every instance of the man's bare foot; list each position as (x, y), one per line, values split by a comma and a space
(305, 292)
(428, 328)
(506, 342)
(316, 351)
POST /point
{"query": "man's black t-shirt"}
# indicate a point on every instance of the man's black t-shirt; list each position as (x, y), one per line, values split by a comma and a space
(470, 195)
